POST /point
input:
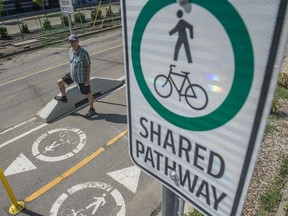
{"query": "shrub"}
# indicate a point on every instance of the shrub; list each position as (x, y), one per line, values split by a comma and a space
(64, 20)
(3, 31)
(281, 92)
(47, 24)
(270, 200)
(79, 17)
(194, 213)
(275, 105)
(24, 28)
(283, 80)
(93, 14)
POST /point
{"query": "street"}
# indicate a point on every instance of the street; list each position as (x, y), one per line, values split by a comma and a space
(72, 166)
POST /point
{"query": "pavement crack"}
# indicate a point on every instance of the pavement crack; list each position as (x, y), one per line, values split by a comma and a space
(34, 90)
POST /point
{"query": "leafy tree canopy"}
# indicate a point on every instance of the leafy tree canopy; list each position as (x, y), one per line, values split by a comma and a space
(1, 6)
(39, 2)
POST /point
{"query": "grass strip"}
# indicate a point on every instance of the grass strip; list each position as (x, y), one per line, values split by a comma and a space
(270, 200)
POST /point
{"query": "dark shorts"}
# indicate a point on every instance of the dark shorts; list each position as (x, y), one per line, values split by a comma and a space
(84, 89)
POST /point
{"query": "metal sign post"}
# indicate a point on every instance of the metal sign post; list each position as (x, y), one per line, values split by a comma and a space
(70, 22)
(170, 203)
(200, 83)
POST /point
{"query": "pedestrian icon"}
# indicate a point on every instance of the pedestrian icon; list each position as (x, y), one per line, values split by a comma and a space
(100, 202)
(181, 27)
(94, 203)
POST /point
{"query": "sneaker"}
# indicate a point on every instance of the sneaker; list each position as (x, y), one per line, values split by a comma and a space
(61, 98)
(90, 113)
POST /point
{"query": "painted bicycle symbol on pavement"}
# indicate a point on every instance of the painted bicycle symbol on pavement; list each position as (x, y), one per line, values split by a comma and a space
(59, 144)
(195, 95)
(65, 138)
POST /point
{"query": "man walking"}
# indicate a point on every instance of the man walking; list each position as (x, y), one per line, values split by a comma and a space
(80, 67)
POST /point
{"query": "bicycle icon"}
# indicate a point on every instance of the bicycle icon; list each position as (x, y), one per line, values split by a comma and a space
(195, 95)
(65, 138)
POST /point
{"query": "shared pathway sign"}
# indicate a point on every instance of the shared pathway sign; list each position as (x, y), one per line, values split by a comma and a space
(67, 6)
(201, 77)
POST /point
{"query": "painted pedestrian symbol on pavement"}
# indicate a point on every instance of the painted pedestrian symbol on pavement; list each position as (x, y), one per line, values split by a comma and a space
(97, 198)
(95, 205)
(100, 201)
(59, 144)
(181, 27)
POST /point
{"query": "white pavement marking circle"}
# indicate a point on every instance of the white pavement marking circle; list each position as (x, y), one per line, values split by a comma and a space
(90, 206)
(49, 145)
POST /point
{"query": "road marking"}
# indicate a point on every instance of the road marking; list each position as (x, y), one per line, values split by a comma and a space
(72, 139)
(95, 205)
(18, 125)
(128, 177)
(39, 127)
(50, 68)
(19, 165)
(73, 169)
(112, 141)
(22, 135)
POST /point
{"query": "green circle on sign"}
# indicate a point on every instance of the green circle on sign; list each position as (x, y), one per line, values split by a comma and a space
(243, 58)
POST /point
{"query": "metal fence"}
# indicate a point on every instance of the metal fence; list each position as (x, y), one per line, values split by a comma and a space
(51, 24)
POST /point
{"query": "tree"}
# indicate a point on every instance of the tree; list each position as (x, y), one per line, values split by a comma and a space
(1, 6)
(41, 3)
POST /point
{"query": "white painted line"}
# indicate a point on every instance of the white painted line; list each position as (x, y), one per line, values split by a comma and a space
(21, 164)
(22, 135)
(18, 125)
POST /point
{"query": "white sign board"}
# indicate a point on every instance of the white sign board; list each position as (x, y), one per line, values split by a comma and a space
(67, 6)
(200, 83)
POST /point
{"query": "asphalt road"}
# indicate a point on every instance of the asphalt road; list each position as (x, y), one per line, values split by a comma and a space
(28, 81)
(72, 166)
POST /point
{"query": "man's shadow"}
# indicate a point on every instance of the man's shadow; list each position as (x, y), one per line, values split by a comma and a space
(111, 117)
